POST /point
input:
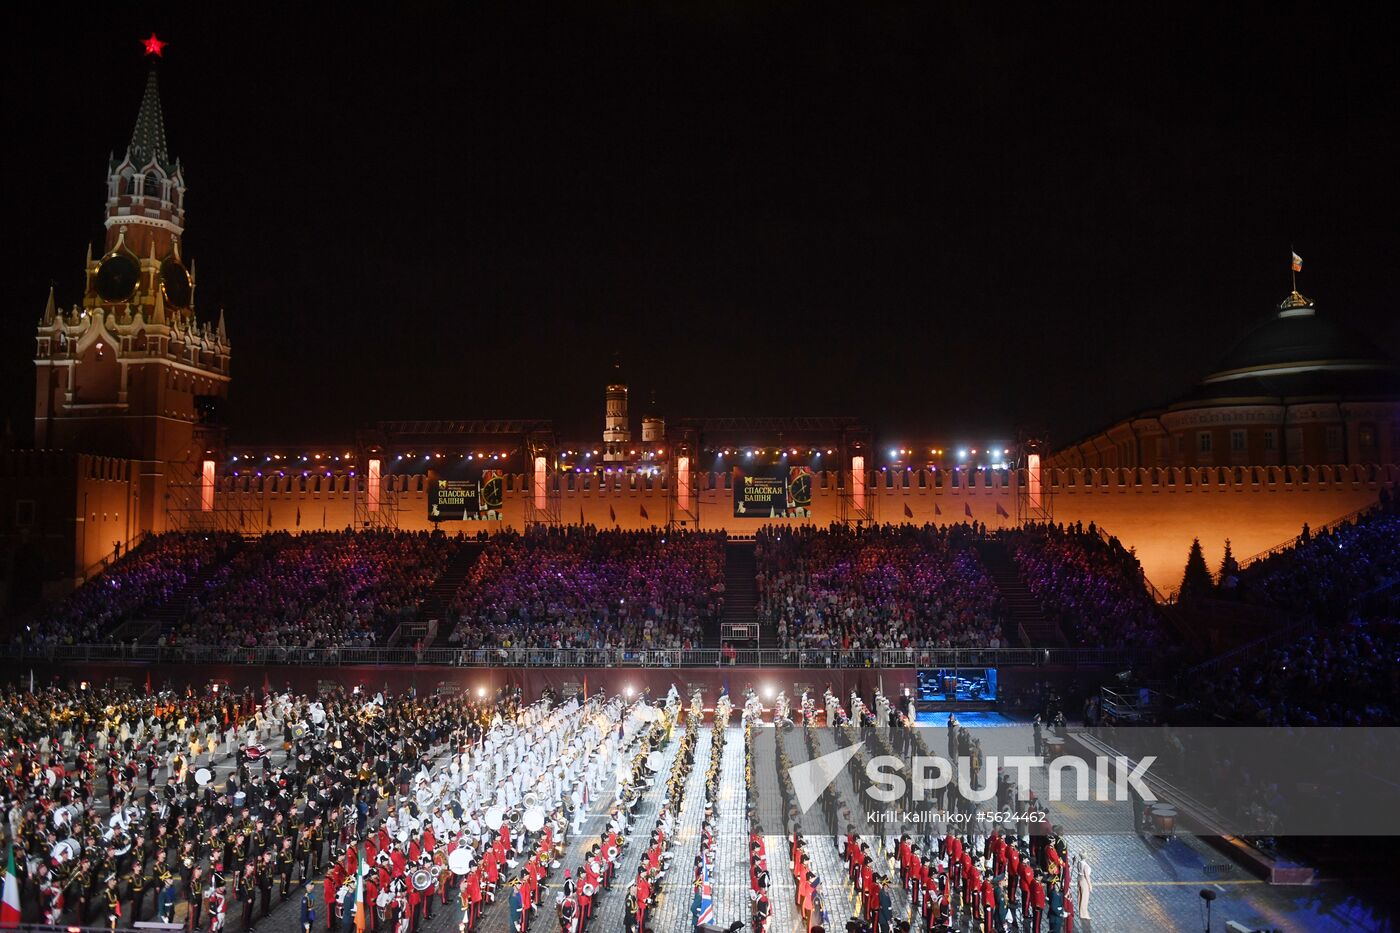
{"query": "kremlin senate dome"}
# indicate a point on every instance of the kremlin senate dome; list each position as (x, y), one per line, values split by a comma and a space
(1302, 351)
(1302, 388)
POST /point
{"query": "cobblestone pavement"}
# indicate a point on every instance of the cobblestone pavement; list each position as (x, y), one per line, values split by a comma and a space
(677, 891)
(730, 872)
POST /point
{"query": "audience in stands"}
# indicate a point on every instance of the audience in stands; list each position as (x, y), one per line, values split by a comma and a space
(1341, 677)
(889, 586)
(1323, 574)
(144, 580)
(584, 588)
(315, 590)
(1091, 586)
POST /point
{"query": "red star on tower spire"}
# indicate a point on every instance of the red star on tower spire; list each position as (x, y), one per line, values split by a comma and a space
(154, 46)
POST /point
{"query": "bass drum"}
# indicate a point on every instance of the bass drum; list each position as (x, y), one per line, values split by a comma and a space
(65, 851)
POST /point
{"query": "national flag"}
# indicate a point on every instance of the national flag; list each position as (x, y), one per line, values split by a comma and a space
(9, 909)
(148, 683)
(269, 518)
(1297, 263)
(706, 911)
(612, 515)
(644, 511)
(580, 516)
(1002, 512)
(298, 516)
(937, 510)
(908, 512)
(359, 892)
(967, 509)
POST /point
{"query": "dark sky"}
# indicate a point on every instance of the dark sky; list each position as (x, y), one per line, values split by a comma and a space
(953, 219)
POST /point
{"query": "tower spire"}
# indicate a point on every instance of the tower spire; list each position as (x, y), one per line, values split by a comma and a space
(148, 138)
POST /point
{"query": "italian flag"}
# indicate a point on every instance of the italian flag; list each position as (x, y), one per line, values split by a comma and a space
(9, 909)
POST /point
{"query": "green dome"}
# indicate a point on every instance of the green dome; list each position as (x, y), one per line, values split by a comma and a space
(1300, 349)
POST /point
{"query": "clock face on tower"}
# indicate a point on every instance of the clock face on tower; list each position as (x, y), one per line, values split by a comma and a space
(175, 282)
(116, 277)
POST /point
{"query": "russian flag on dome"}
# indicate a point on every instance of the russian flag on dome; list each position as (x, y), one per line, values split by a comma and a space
(1297, 263)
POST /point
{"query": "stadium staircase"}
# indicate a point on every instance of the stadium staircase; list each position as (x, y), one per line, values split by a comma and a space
(178, 605)
(169, 613)
(439, 598)
(740, 590)
(1023, 610)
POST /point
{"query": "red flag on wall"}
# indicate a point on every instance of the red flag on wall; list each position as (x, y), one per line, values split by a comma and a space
(967, 509)
(580, 516)
(298, 516)
(936, 509)
(612, 515)
(644, 511)
(908, 512)
(1002, 512)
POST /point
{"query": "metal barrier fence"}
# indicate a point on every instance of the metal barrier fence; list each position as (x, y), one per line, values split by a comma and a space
(574, 657)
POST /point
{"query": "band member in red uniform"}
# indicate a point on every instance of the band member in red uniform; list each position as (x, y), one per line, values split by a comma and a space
(1027, 876)
(1037, 903)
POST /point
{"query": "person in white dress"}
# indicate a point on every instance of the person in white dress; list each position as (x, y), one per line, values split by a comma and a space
(1086, 887)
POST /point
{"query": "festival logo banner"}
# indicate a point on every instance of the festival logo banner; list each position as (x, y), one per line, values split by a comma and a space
(776, 491)
(456, 500)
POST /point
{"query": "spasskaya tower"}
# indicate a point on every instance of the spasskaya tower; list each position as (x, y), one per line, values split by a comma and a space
(133, 372)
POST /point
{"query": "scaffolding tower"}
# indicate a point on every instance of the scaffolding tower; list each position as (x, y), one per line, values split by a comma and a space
(543, 496)
(1034, 491)
(682, 499)
(376, 509)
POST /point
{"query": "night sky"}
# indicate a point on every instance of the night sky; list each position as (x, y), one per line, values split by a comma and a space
(954, 220)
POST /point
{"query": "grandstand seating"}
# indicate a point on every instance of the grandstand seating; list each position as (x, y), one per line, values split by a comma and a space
(894, 586)
(584, 588)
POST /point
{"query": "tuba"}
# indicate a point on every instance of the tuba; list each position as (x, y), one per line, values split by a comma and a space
(422, 879)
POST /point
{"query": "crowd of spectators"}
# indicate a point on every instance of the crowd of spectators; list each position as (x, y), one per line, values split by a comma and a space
(141, 581)
(315, 590)
(1088, 584)
(887, 586)
(1323, 574)
(1341, 587)
(1346, 676)
(579, 587)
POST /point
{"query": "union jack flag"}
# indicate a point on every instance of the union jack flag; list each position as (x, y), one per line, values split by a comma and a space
(705, 913)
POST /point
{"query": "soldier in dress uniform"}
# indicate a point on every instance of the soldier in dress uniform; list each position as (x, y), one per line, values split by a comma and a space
(308, 907)
(517, 907)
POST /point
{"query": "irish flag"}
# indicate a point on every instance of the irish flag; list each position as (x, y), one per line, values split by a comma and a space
(359, 892)
(9, 910)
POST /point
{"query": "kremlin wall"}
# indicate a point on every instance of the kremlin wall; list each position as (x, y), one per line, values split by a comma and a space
(1156, 512)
